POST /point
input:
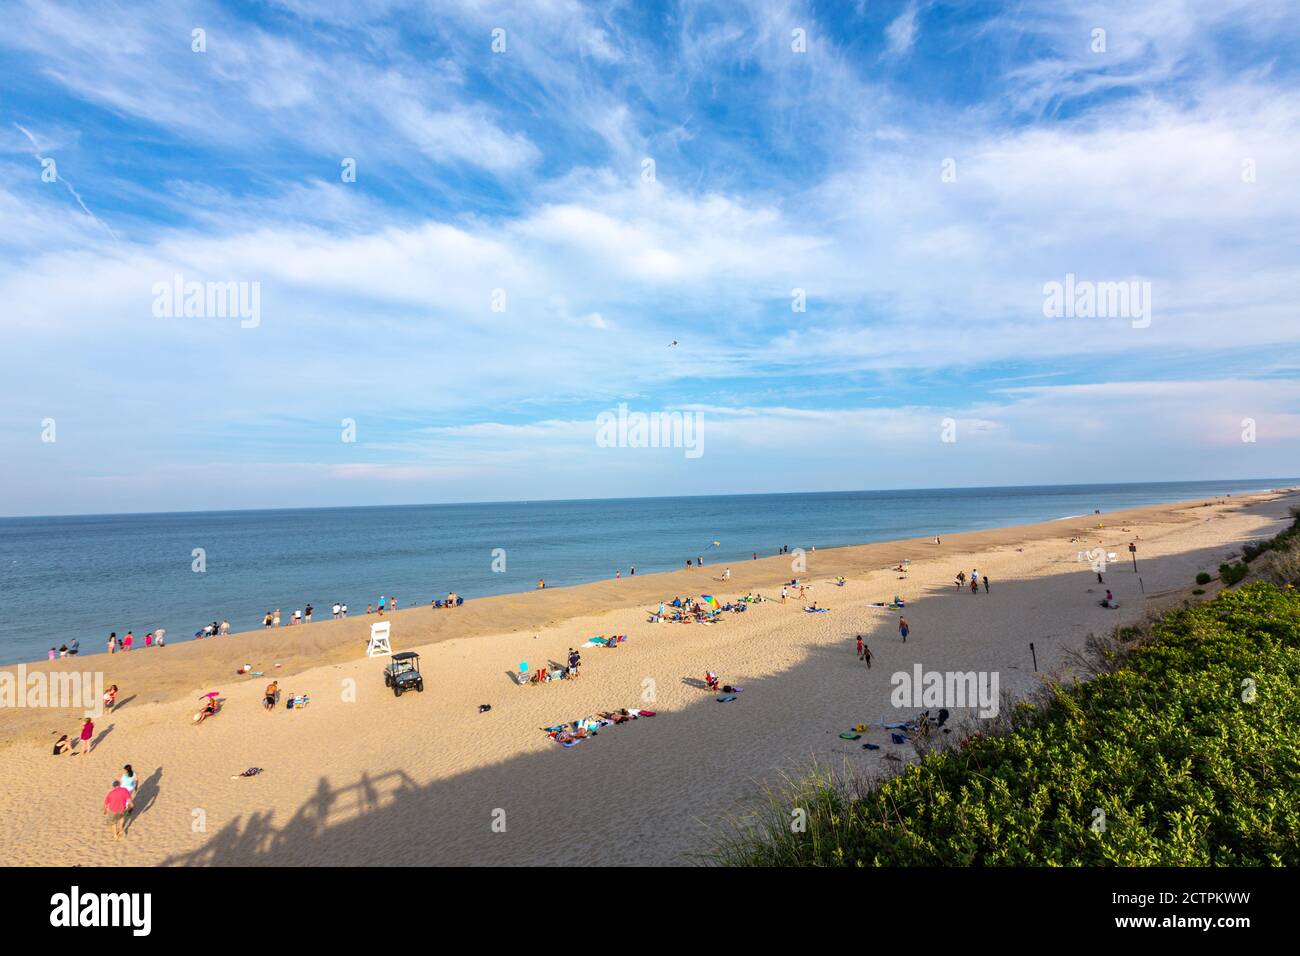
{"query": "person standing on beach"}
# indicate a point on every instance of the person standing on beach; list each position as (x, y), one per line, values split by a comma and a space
(903, 629)
(158, 636)
(633, 571)
(335, 610)
(74, 648)
(112, 642)
(783, 593)
(961, 580)
(272, 692)
(128, 641)
(986, 584)
(115, 804)
(974, 586)
(130, 785)
(307, 613)
(859, 647)
(87, 732)
(866, 655)
(275, 618)
(345, 610)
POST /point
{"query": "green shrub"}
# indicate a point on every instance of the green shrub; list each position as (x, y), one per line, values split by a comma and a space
(1164, 742)
(1203, 578)
(1230, 574)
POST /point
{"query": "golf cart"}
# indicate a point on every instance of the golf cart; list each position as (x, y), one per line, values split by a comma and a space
(403, 673)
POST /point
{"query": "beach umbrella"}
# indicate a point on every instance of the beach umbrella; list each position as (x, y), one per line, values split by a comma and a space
(523, 667)
(215, 693)
(709, 599)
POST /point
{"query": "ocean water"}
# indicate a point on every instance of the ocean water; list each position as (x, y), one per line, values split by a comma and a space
(84, 576)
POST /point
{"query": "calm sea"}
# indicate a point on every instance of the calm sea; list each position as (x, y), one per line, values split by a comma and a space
(83, 576)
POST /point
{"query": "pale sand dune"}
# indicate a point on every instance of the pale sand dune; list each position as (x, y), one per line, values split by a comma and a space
(416, 780)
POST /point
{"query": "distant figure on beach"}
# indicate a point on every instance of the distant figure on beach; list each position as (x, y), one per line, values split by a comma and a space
(115, 804)
(74, 648)
(336, 611)
(726, 574)
(148, 639)
(275, 621)
(866, 655)
(974, 586)
(63, 650)
(961, 580)
(272, 693)
(87, 732)
(633, 571)
(345, 610)
(62, 746)
(392, 604)
(306, 614)
(158, 636)
(755, 555)
(688, 562)
(370, 609)
(699, 561)
(618, 574)
(266, 621)
(110, 698)
(112, 643)
(859, 647)
(783, 593)
(296, 618)
(130, 785)
(541, 583)
(383, 603)
(986, 584)
(128, 641)
(936, 540)
(53, 653)
(903, 629)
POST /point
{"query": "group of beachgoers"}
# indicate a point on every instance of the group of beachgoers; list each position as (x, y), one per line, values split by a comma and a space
(154, 638)
(567, 671)
(974, 581)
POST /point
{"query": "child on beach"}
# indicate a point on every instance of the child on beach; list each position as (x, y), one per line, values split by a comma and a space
(110, 698)
(859, 647)
(87, 732)
(866, 655)
(112, 643)
(903, 629)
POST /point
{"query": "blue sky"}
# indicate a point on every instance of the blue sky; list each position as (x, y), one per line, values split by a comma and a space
(523, 170)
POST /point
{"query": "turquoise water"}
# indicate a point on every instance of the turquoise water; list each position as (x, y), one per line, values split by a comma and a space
(83, 576)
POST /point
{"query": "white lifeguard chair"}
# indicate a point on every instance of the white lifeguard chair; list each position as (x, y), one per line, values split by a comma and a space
(379, 645)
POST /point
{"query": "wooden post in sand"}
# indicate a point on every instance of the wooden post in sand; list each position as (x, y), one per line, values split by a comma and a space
(1035, 655)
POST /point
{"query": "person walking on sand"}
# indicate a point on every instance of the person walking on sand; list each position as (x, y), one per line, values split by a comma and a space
(783, 593)
(726, 574)
(961, 580)
(115, 808)
(275, 618)
(903, 629)
(866, 655)
(272, 692)
(130, 786)
(87, 733)
(974, 586)
(859, 647)
(986, 584)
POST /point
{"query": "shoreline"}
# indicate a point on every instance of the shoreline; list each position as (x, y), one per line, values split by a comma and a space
(176, 670)
(359, 769)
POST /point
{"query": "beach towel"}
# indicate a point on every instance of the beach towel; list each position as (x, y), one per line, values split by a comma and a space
(816, 610)
(725, 700)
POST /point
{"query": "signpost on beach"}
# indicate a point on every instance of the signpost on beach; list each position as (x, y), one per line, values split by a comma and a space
(1133, 553)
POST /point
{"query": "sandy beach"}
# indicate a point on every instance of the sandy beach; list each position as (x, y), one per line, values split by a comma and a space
(361, 777)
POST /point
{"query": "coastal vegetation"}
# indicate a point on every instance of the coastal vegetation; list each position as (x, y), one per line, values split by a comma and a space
(1175, 746)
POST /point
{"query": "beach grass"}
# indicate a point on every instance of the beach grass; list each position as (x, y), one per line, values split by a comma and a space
(1177, 749)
